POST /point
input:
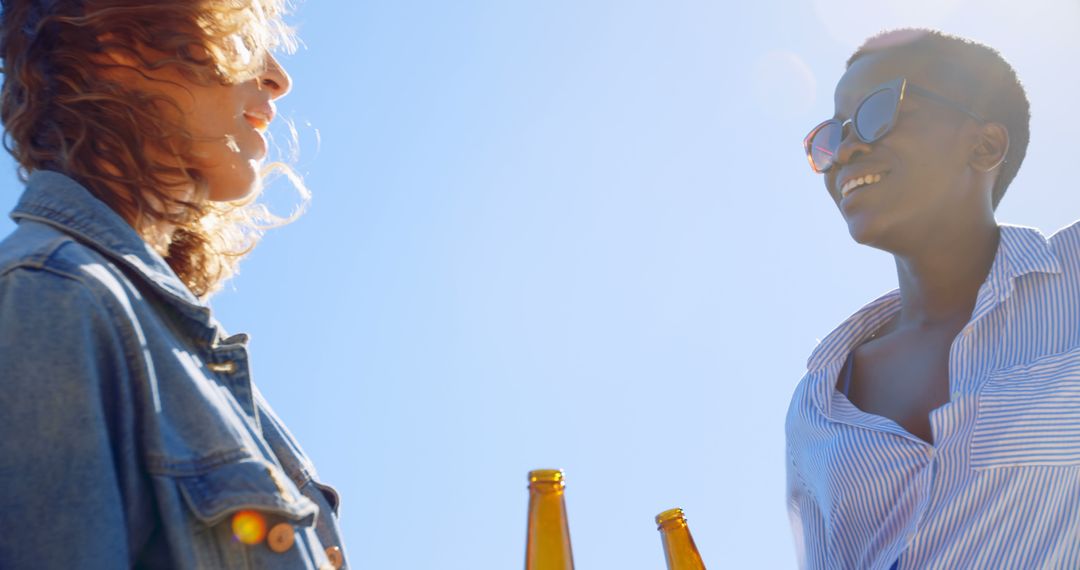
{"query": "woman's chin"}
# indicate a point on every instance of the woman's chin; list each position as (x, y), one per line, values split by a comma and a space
(864, 231)
(233, 184)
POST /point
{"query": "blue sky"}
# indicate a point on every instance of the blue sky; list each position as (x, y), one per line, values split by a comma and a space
(579, 234)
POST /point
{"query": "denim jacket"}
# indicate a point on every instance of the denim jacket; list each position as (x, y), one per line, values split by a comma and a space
(130, 430)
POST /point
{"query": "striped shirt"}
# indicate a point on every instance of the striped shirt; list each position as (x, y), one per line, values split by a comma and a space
(1000, 485)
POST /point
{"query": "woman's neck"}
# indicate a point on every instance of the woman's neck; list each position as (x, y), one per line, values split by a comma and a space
(158, 231)
(940, 281)
(158, 235)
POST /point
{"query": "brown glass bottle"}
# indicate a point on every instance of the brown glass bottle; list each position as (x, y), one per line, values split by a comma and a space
(548, 544)
(679, 548)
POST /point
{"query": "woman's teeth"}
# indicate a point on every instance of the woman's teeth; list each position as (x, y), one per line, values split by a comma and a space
(857, 182)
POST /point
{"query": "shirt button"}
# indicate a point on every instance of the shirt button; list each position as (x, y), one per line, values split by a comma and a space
(334, 555)
(281, 537)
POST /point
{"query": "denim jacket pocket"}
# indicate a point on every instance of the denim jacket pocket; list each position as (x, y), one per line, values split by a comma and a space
(1029, 415)
(215, 496)
(249, 484)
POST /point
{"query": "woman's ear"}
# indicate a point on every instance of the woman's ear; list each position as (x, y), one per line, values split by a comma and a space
(992, 146)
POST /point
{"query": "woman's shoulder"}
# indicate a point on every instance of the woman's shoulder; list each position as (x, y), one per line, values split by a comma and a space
(1065, 245)
(1066, 238)
(40, 260)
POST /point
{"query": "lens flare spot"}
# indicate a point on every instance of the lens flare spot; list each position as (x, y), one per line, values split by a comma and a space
(249, 527)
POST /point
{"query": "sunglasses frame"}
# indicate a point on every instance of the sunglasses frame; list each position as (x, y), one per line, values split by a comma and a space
(899, 85)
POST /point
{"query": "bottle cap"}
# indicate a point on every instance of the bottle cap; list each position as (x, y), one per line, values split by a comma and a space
(546, 476)
(669, 517)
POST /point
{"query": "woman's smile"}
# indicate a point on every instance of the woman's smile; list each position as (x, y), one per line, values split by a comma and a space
(859, 182)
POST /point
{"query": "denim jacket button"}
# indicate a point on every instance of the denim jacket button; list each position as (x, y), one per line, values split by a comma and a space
(281, 537)
(222, 367)
(334, 555)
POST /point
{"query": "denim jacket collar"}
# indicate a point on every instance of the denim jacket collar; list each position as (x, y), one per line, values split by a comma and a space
(57, 200)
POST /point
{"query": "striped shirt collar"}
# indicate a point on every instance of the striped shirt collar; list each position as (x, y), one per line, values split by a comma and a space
(1021, 250)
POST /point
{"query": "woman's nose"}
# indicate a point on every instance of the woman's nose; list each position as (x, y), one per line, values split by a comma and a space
(275, 78)
(850, 145)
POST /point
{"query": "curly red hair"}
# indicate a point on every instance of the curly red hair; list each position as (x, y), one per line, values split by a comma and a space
(62, 112)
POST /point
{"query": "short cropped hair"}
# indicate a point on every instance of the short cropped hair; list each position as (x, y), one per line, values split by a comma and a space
(980, 75)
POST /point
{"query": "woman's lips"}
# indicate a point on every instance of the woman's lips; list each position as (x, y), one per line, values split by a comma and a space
(258, 122)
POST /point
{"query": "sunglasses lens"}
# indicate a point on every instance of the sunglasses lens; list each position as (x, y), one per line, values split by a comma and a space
(875, 116)
(823, 145)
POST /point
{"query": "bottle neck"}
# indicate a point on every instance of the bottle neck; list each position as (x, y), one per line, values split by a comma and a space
(679, 548)
(548, 543)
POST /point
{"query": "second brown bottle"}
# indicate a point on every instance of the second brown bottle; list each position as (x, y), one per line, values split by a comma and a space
(679, 548)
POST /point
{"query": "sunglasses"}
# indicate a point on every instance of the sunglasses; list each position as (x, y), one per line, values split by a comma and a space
(874, 118)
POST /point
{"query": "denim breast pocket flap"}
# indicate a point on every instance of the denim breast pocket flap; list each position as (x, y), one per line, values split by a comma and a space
(227, 488)
(1029, 415)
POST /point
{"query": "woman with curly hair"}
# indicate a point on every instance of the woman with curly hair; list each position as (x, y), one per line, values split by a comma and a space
(132, 433)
